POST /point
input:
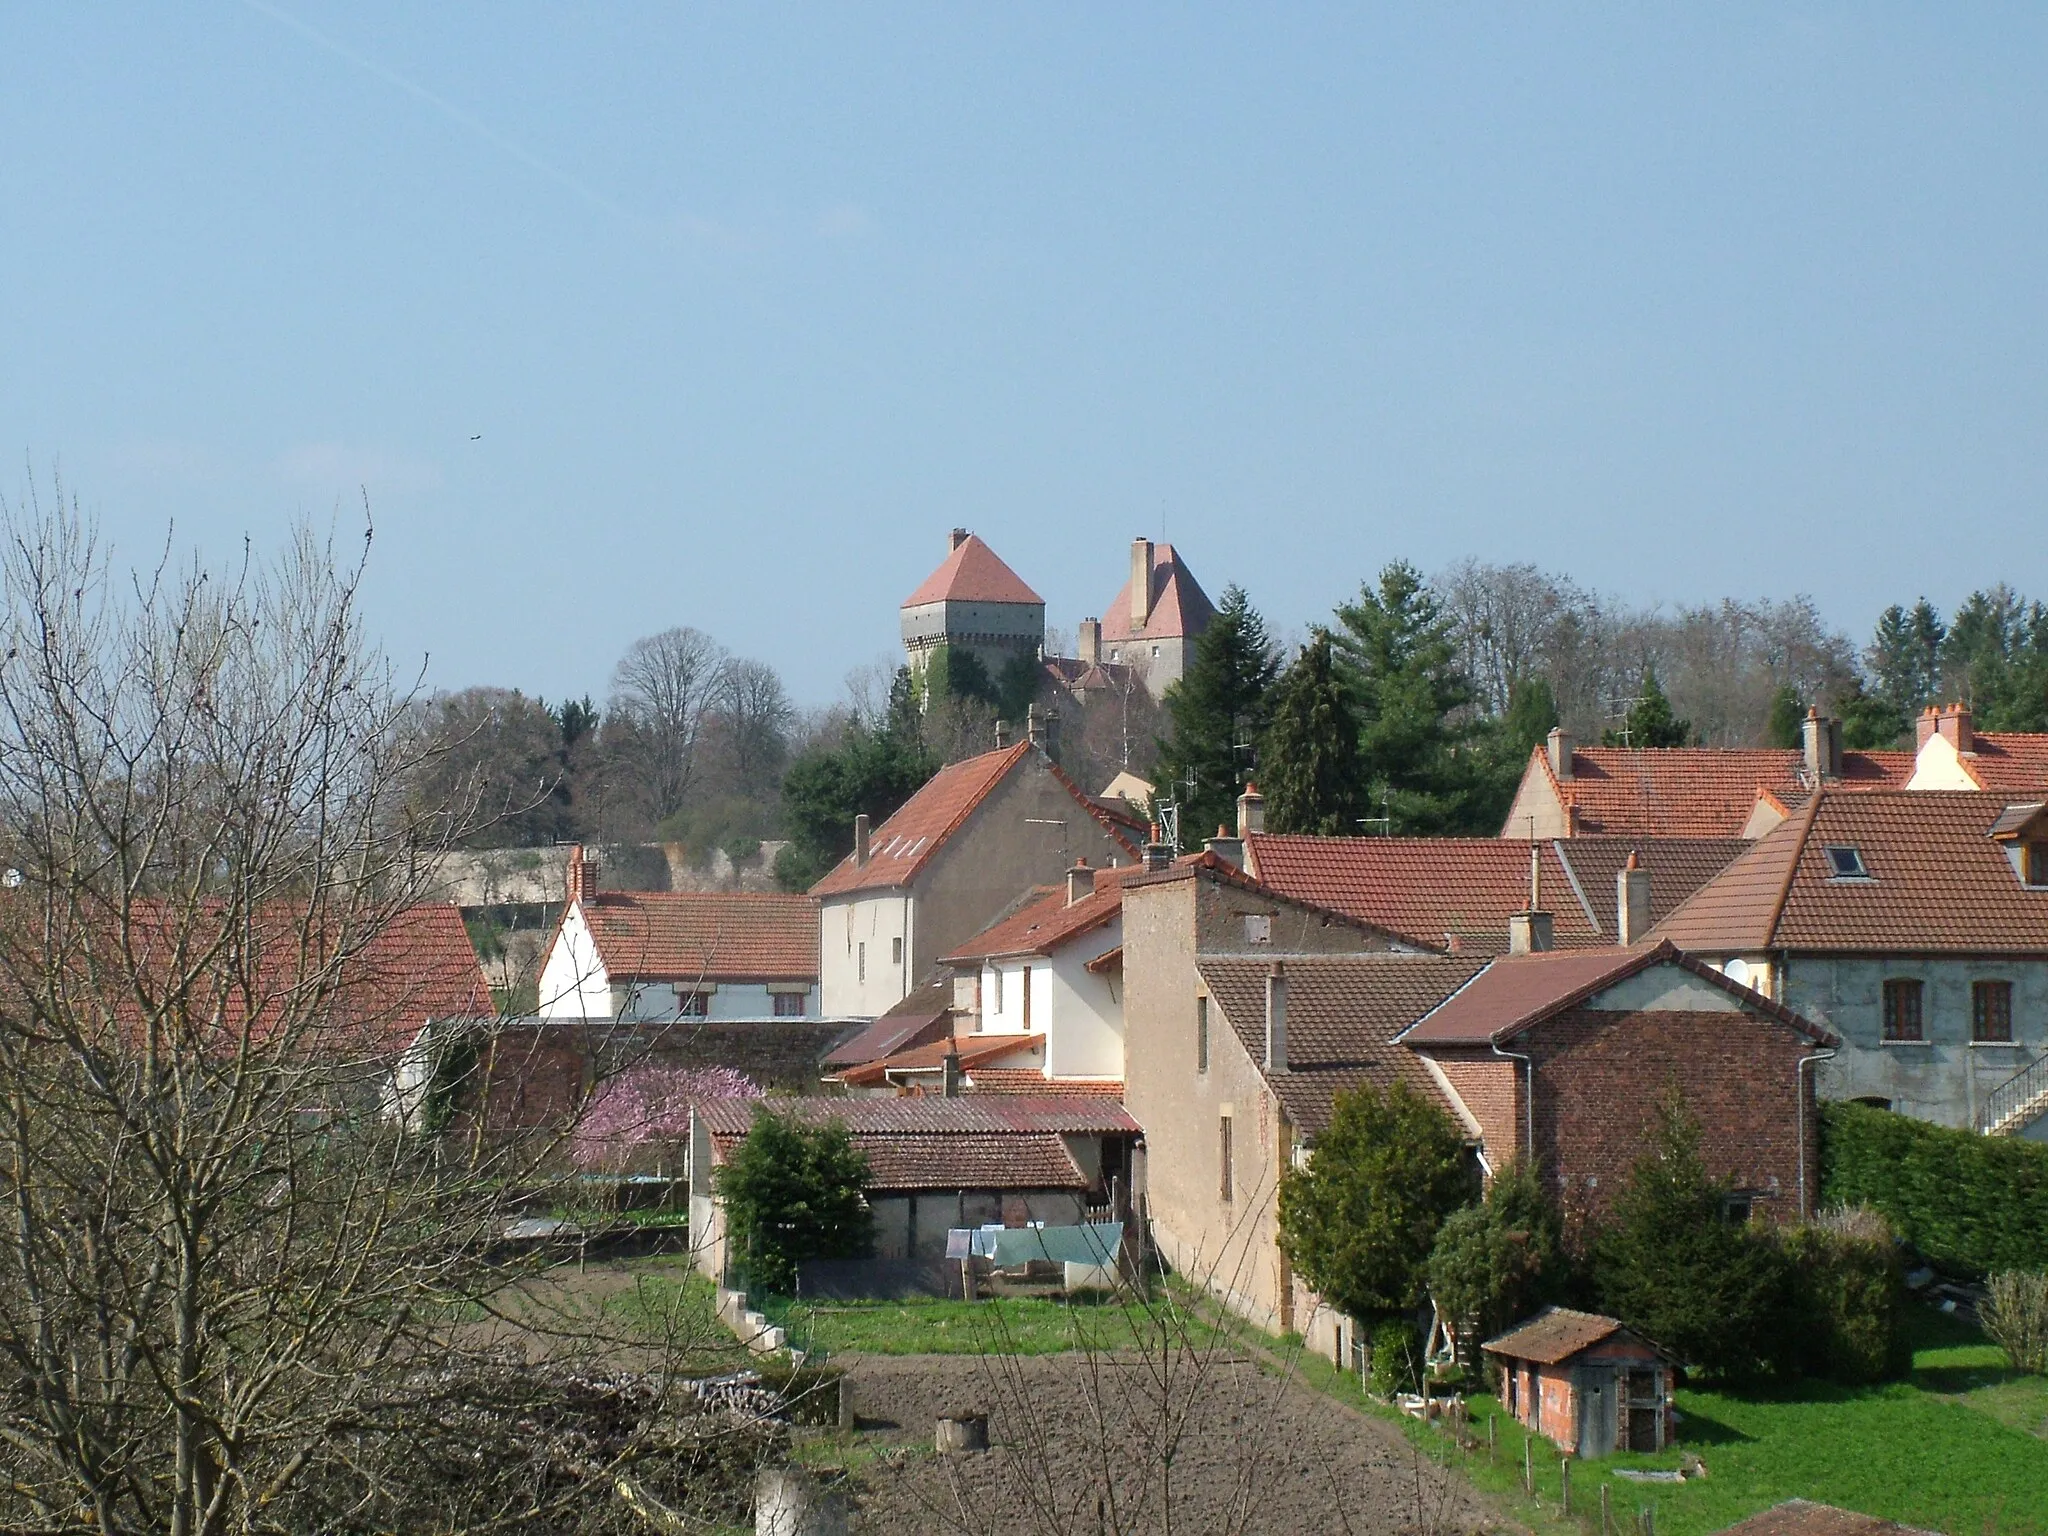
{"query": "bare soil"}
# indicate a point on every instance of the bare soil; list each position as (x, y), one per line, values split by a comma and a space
(1120, 1444)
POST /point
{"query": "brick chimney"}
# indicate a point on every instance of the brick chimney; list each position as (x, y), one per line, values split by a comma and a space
(861, 831)
(1820, 741)
(1158, 854)
(1632, 900)
(1531, 933)
(1559, 745)
(1141, 582)
(1090, 643)
(1276, 1018)
(955, 539)
(1080, 881)
(1954, 723)
(1928, 722)
(582, 875)
(1251, 812)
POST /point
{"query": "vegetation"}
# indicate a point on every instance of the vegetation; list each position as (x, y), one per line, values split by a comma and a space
(793, 1192)
(1499, 1261)
(1359, 1219)
(1219, 710)
(2016, 1317)
(1650, 721)
(1314, 781)
(1969, 1204)
(1846, 1311)
(876, 765)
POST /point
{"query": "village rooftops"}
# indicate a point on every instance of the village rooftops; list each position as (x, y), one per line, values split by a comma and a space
(1458, 893)
(1518, 992)
(972, 573)
(1556, 1334)
(926, 1014)
(712, 936)
(1702, 792)
(1910, 872)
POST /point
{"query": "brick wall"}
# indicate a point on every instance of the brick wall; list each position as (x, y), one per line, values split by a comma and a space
(1599, 1076)
(1491, 1088)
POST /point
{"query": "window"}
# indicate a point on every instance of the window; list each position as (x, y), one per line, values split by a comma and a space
(693, 1005)
(1201, 1034)
(1991, 1012)
(1223, 1158)
(1845, 864)
(790, 1005)
(1902, 1009)
(2034, 864)
(863, 975)
(895, 951)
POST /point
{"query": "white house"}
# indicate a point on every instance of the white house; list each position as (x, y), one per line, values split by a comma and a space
(660, 955)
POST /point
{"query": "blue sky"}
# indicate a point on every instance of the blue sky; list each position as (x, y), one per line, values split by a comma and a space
(750, 304)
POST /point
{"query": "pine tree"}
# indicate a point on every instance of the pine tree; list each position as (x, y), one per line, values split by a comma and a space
(1218, 708)
(1905, 656)
(1784, 726)
(1309, 769)
(1650, 721)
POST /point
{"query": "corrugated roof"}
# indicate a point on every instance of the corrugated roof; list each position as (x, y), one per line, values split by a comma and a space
(1695, 791)
(712, 935)
(989, 1114)
(1797, 1517)
(972, 573)
(1344, 1013)
(1937, 883)
(926, 1013)
(1049, 922)
(1554, 1335)
(1180, 609)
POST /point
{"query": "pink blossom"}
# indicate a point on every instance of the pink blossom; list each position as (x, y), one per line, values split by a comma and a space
(647, 1107)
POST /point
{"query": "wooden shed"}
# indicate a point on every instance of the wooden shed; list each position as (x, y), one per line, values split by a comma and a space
(1585, 1382)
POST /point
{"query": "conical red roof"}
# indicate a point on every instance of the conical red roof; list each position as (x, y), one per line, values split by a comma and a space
(973, 573)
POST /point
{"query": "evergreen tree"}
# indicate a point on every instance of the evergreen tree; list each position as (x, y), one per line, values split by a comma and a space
(1397, 654)
(1650, 721)
(1218, 708)
(951, 673)
(1872, 721)
(1358, 1221)
(1309, 769)
(794, 1192)
(873, 769)
(1497, 1262)
(1905, 656)
(1499, 753)
(1784, 726)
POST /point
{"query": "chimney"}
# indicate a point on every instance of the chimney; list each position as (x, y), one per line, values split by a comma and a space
(955, 539)
(1002, 734)
(1954, 723)
(1224, 846)
(1820, 740)
(1141, 582)
(949, 1074)
(1080, 881)
(1251, 812)
(1157, 854)
(1927, 723)
(860, 840)
(1276, 1018)
(1530, 933)
(1090, 645)
(582, 876)
(1040, 728)
(1559, 745)
(1632, 900)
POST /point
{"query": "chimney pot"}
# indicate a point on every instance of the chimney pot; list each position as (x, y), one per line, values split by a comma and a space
(1559, 746)
(1224, 846)
(1141, 582)
(582, 881)
(1928, 723)
(949, 1074)
(1531, 933)
(955, 539)
(1632, 901)
(1080, 881)
(1002, 735)
(861, 836)
(1251, 812)
(1955, 723)
(1157, 854)
(1276, 1018)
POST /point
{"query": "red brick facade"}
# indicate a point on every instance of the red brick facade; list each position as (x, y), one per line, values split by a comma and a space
(1490, 1087)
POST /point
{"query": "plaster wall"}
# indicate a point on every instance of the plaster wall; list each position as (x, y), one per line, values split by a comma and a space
(573, 980)
(1938, 765)
(1536, 800)
(1078, 1012)
(654, 1001)
(862, 973)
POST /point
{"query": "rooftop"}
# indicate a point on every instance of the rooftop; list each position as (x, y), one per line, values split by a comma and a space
(1554, 1335)
(1797, 1517)
(972, 573)
(1049, 921)
(1706, 792)
(707, 935)
(1180, 609)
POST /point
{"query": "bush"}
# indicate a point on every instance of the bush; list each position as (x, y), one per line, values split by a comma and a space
(793, 1192)
(1846, 1313)
(1497, 1262)
(1396, 1358)
(2016, 1317)
(1971, 1204)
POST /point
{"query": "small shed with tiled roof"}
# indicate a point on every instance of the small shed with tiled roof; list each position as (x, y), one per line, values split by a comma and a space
(1801, 1517)
(1589, 1384)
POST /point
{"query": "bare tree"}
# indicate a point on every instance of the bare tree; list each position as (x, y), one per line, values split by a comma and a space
(753, 720)
(1506, 620)
(664, 687)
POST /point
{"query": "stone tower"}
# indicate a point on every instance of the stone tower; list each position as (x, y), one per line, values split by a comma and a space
(973, 603)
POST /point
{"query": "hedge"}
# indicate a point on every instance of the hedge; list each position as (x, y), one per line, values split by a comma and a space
(1969, 1204)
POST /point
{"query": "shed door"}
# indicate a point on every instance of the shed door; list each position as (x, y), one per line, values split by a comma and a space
(1596, 1410)
(1645, 1411)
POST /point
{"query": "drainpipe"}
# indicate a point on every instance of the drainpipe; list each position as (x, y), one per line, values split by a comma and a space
(1804, 1063)
(1528, 1094)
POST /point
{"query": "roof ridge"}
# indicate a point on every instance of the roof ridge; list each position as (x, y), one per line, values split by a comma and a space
(1803, 823)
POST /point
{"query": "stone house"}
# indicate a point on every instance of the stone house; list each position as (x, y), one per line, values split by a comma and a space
(1914, 925)
(1151, 625)
(951, 859)
(975, 605)
(1586, 1383)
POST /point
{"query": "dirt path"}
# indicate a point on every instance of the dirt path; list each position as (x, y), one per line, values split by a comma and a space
(1115, 1444)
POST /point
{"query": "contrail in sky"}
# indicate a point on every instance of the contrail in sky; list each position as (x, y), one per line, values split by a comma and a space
(442, 105)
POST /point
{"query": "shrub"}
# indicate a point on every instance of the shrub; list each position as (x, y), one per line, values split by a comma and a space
(1359, 1220)
(1846, 1312)
(1396, 1358)
(2016, 1317)
(1497, 1262)
(1971, 1204)
(1672, 1265)
(793, 1192)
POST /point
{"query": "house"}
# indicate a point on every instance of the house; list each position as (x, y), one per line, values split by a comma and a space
(1951, 754)
(1798, 1517)
(936, 1164)
(973, 604)
(1151, 625)
(1692, 792)
(646, 956)
(1914, 925)
(1586, 1383)
(951, 859)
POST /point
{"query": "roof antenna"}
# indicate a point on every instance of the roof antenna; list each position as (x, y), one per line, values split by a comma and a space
(1535, 869)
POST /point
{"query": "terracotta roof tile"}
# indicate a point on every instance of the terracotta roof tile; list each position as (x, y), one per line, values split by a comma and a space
(1797, 1517)
(1554, 1335)
(930, 1056)
(972, 573)
(2008, 762)
(1049, 922)
(718, 936)
(1180, 609)
(1030, 1080)
(991, 1114)
(1938, 883)
(1695, 791)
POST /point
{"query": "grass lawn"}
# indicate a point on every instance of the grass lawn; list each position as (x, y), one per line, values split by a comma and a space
(1000, 1326)
(1959, 1446)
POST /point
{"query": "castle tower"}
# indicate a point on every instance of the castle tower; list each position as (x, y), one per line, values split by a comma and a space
(976, 604)
(1154, 621)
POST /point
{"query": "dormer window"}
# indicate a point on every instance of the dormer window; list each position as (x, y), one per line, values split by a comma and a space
(1845, 863)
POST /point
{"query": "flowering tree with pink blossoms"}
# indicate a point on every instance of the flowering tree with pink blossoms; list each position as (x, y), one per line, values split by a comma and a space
(648, 1107)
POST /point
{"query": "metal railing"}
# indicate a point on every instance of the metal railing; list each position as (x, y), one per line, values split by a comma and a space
(2005, 1107)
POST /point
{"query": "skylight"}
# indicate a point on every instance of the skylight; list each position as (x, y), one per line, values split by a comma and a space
(1845, 864)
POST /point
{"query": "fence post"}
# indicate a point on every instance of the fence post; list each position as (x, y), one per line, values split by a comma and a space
(1491, 1421)
(1564, 1477)
(1529, 1463)
(1605, 1528)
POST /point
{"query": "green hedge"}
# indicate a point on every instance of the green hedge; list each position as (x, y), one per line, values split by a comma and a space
(1970, 1204)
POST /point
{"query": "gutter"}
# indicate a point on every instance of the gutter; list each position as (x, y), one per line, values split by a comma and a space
(1529, 1094)
(1804, 1063)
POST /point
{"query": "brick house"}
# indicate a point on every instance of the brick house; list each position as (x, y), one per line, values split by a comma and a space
(951, 860)
(1915, 926)
(1587, 1384)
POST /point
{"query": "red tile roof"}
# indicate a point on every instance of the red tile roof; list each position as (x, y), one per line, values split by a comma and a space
(421, 966)
(708, 935)
(1049, 922)
(2008, 762)
(1694, 791)
(1518, 992)
(988, 1114)
(970, 1162)
(1180, 608)
(972, 573)
(1554, 1335)
(1796, 1517)
(906, 842)
(1030, 1080)
(1938, 883)
(930, 1056)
